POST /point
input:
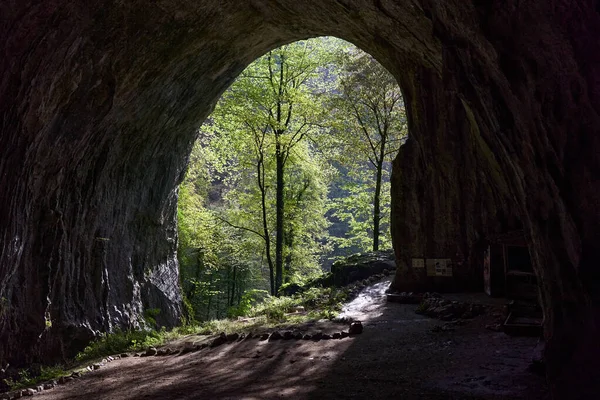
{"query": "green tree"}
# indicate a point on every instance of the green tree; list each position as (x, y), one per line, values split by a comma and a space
(217, 264)
(269, 114)
(371, 123)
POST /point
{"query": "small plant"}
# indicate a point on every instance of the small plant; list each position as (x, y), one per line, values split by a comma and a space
(249, 299)
(28, 378)
(150, 315)
(274, 305)
(275, 315)
(121, 341)
(422, 307)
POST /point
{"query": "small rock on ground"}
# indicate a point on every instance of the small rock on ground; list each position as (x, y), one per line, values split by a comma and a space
(356, 328)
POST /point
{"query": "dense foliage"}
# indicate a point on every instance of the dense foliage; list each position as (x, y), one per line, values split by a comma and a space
(291, 168)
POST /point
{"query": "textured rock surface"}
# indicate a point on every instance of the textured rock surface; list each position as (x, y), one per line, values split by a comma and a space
(100, 101)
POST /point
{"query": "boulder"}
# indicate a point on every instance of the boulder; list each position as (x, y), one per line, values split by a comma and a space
(218, 341)
(232, 337)
(356, 328)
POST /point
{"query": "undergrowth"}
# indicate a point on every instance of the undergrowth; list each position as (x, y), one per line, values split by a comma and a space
(28, 378)
(257, 312)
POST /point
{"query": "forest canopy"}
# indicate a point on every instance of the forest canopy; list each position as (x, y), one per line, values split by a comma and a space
(290, 171)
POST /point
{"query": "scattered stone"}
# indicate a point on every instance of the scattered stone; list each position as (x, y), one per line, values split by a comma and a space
(317, 336)
(219, 340)
(18, 394)
(39, 389)
(494, 327)
(343, 320)
(538, 365)
(336, 335)
(307, 336)
(28, 392)
(356, 328)
(96, 366)
(345, 334)
(242, 337)
(150, 352)
(275, 336)
(288, 335)
(162, 352)
(124, 355)
(298, 335)
(188, 348)
(264, 336)
(76, 374)
(326, 336)
(443, 328)
(298, 309)
(89, 368)
(49, 385)
(436, 307)
(232, 337)
(65, 379)
(404, 298)
(467, 315)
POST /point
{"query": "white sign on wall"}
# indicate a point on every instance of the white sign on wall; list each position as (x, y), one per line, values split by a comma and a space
(439, 267)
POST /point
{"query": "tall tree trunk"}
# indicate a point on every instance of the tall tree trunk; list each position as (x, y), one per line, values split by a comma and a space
(233, 282)
(208, 307)
(377, 207)
(279, 205)
(263, 199)
(377, 198)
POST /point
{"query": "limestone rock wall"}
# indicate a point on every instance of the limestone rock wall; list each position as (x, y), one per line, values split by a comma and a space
(100, 101)
(450, 192)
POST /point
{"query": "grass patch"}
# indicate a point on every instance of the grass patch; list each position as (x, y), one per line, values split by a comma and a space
(271, 313)
(131, 340)
(28, 378)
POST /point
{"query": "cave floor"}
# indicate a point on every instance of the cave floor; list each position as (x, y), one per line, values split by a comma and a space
(400, 355)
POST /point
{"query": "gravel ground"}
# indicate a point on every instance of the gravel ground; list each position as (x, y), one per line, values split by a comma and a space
(400, 355)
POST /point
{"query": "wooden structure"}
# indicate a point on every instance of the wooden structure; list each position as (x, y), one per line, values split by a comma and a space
(507, 268)
(508, 272)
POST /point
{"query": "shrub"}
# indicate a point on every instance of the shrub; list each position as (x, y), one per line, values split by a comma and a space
(121, 341)
(274, 307)
(28, 378)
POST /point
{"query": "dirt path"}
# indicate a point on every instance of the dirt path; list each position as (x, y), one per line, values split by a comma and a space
(397, 356)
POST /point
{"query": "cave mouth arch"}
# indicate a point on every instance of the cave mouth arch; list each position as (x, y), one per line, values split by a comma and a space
(294, 103)
(100, 105)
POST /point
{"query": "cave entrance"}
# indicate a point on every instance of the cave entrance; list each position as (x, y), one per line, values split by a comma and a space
(309, 129)
(101, 103)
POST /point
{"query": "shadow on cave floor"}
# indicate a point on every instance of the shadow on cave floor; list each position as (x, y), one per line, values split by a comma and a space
(397, 356)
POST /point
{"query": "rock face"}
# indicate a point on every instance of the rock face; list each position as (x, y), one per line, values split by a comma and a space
(100, 102)
(361, 266)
